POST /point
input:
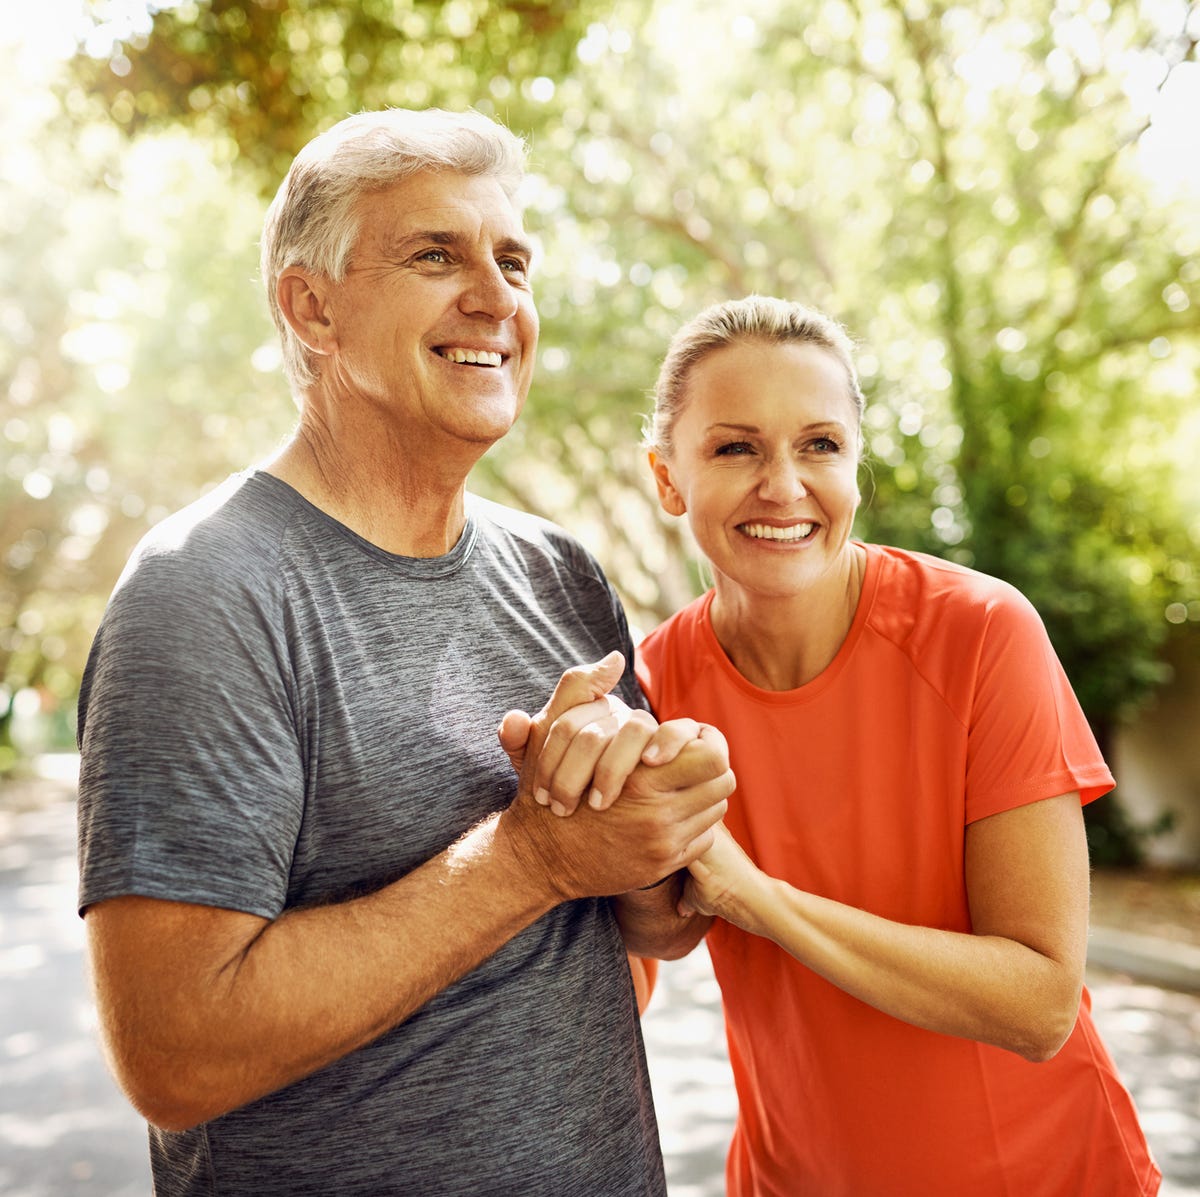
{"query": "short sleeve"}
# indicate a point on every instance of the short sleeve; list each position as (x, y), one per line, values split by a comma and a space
(1028, 738)
(191, 779)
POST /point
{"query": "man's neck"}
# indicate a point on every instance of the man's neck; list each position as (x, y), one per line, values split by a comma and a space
(393, 496)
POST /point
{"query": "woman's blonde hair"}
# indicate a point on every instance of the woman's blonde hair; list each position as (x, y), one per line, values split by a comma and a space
(754, 318)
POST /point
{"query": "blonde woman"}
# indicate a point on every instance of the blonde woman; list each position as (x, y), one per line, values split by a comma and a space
(896, 905)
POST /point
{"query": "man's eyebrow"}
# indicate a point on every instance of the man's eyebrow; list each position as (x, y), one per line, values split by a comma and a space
(514, 245)
(402, 244)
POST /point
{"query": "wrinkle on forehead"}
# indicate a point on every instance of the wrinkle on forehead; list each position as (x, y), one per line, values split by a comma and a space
(468, 203)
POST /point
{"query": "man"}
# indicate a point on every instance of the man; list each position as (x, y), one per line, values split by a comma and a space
(337, 948)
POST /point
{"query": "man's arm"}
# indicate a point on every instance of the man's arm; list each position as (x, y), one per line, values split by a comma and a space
(206, 1009)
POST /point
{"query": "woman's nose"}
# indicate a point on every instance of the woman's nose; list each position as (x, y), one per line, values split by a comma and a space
(782, 481)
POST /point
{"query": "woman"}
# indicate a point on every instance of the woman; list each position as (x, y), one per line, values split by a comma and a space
(896, 906)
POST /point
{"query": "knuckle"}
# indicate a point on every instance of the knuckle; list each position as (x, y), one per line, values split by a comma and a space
(592, 735)
(644, 721)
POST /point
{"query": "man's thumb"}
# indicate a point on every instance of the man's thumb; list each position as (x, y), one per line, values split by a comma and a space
(513, 734)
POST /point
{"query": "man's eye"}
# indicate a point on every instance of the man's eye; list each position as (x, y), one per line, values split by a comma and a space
(437, 256)
(513, 266)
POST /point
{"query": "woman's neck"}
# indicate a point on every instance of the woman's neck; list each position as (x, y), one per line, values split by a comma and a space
(784, 642)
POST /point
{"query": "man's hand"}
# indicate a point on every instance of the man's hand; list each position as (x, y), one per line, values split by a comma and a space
(662, 821)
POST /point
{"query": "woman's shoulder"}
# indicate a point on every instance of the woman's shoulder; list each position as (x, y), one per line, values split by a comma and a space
(675, 648)
(922, 585)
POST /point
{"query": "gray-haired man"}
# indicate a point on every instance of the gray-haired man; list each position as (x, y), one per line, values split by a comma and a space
(337, 948)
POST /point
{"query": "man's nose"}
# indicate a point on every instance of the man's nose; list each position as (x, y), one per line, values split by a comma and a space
(488, 292)
(782, 481)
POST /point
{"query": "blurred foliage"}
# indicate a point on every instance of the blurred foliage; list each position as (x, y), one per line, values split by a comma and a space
(268, 73)
(962, 185)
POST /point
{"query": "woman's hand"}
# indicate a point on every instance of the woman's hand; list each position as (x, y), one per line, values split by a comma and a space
(725, 882)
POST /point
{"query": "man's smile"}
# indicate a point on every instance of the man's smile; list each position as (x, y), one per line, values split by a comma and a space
(471, 357)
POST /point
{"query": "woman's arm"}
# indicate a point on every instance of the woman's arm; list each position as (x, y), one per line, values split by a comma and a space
(1014, 981)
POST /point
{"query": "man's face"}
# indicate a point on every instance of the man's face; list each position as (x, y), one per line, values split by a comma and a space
(435, 322)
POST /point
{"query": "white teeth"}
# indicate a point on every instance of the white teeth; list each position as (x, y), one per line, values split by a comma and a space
(474, 357)
(769, 532)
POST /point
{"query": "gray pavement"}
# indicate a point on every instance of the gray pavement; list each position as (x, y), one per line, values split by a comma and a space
(65, 1130)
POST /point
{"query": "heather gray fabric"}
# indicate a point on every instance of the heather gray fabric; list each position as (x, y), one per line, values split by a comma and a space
(277, 713)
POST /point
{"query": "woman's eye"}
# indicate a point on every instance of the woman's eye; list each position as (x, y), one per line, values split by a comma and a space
(825, 445)
(734, 449)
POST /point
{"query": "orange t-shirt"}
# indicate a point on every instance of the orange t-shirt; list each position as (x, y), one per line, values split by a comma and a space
(945, 704)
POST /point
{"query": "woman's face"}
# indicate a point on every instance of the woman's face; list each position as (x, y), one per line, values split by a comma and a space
(765, 465)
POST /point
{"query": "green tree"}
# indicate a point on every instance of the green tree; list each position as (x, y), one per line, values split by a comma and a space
(962, 185)
(128, 373)
(269, 73)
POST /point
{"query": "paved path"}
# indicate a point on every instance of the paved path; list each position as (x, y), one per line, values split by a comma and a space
(65, 1131)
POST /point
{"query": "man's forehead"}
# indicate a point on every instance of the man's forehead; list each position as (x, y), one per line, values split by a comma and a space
(453, 206)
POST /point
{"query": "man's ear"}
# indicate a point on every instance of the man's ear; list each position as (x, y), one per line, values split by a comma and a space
(304, 301)
(670, 499)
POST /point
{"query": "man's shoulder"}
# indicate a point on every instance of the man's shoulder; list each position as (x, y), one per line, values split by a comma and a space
(531, 536)
(231, 536)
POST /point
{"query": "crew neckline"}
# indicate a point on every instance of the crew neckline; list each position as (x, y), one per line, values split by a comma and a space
(426, 567)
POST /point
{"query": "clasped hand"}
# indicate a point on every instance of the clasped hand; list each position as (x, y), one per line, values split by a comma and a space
(653, 793)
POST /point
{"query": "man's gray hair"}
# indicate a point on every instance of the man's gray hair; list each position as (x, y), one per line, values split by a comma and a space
(312, 220)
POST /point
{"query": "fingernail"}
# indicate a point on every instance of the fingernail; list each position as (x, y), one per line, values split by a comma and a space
(595, 798)
(558, 809)
(651, 754)
(542, 797)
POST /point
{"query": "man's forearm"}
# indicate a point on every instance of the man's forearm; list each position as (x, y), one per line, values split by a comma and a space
(206, 1010)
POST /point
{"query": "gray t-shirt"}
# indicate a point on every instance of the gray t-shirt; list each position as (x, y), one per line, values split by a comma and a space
(277, 713)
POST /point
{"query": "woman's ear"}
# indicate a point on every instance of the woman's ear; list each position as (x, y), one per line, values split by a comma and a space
(303, 300)
(669, 498)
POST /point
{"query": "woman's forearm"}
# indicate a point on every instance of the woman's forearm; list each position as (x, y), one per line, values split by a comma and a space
(982, 987)
(1013, 981)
